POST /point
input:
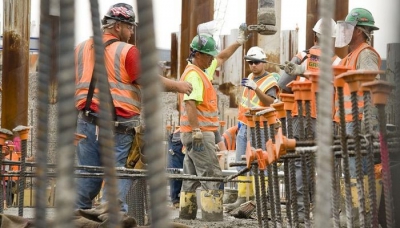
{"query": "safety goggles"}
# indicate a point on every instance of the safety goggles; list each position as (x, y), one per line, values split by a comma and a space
(253, 62)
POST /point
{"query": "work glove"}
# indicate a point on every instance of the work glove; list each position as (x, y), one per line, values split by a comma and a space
(242, 37)
(197, 140)
(293, 69)
(249, 83)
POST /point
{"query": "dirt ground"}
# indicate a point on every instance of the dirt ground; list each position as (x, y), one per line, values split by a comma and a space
(229, 222)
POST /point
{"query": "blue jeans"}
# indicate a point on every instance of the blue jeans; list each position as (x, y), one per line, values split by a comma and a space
(88, 154)
(175, 160)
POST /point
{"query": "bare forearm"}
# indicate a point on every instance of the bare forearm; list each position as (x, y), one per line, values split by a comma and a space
(191, 110)
(227, 52)
(264, 98)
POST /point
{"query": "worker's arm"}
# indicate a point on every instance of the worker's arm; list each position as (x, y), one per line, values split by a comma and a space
(226, 53)
(191, 110)
(176, 86)
(265, 98)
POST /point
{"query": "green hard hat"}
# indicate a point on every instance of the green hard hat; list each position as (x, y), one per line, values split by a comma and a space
(363, 18)
(206, 44)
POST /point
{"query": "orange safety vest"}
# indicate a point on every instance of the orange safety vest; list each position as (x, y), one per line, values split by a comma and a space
(351, 61)
(311, 64)
(125, 94)
(230, 137)
(264, 84)
(207, 111)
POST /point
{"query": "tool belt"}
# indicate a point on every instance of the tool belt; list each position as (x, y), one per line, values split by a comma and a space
(120, 129)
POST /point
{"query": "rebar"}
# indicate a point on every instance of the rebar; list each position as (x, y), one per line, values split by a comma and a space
(151, 99)
(264, 199)
(22, 178)
(106, 137)
(271, 194)
(372, 216)
(359, 172)
(275, 181)
(66, 113)
(257, 192)
(43, 115)
(386, 174)
(345, 157)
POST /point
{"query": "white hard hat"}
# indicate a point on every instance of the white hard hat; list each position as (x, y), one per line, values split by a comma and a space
(317, 27)
(255, 54)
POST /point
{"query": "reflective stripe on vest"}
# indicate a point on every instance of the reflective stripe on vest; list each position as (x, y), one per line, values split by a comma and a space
(351, 61)
(264, 84)
(312, 64)
(126, 95)
(230, 137)
(207, 111)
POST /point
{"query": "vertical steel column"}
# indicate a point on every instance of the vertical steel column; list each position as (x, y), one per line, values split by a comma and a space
(15, 74)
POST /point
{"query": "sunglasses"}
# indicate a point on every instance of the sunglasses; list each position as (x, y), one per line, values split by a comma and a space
(253, 62)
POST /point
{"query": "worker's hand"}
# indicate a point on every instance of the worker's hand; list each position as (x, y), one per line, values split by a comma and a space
(293, 69)
(249, 83)
(184, 87)
(242, 37)
(197, 140)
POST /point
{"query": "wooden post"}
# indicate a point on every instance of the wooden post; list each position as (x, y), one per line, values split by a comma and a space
(251, 19)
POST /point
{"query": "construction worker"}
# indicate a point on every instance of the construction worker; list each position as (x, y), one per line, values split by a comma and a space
(122, 65)
(198, 124)
(355, 32)
(230, 137)
(294, 70)
(261, 90)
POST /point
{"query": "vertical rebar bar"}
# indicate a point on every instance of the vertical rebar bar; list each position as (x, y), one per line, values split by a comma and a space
(67, 116)
(372, 217)
(292, 175)
(257, 192)
(275, 181)
(151, 100)
(386, 174)
(357, 145)
(106, 132)
(271, 194)
(261, 178)
(22, 178)
(345, 157)
(286, 178)
(43, 115)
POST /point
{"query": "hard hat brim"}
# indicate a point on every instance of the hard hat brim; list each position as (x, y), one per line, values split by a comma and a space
(249, 58)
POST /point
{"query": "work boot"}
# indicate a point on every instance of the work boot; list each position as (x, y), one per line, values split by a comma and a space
(211, 205)
(188, 206)
(230, 196)
(245, 190)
